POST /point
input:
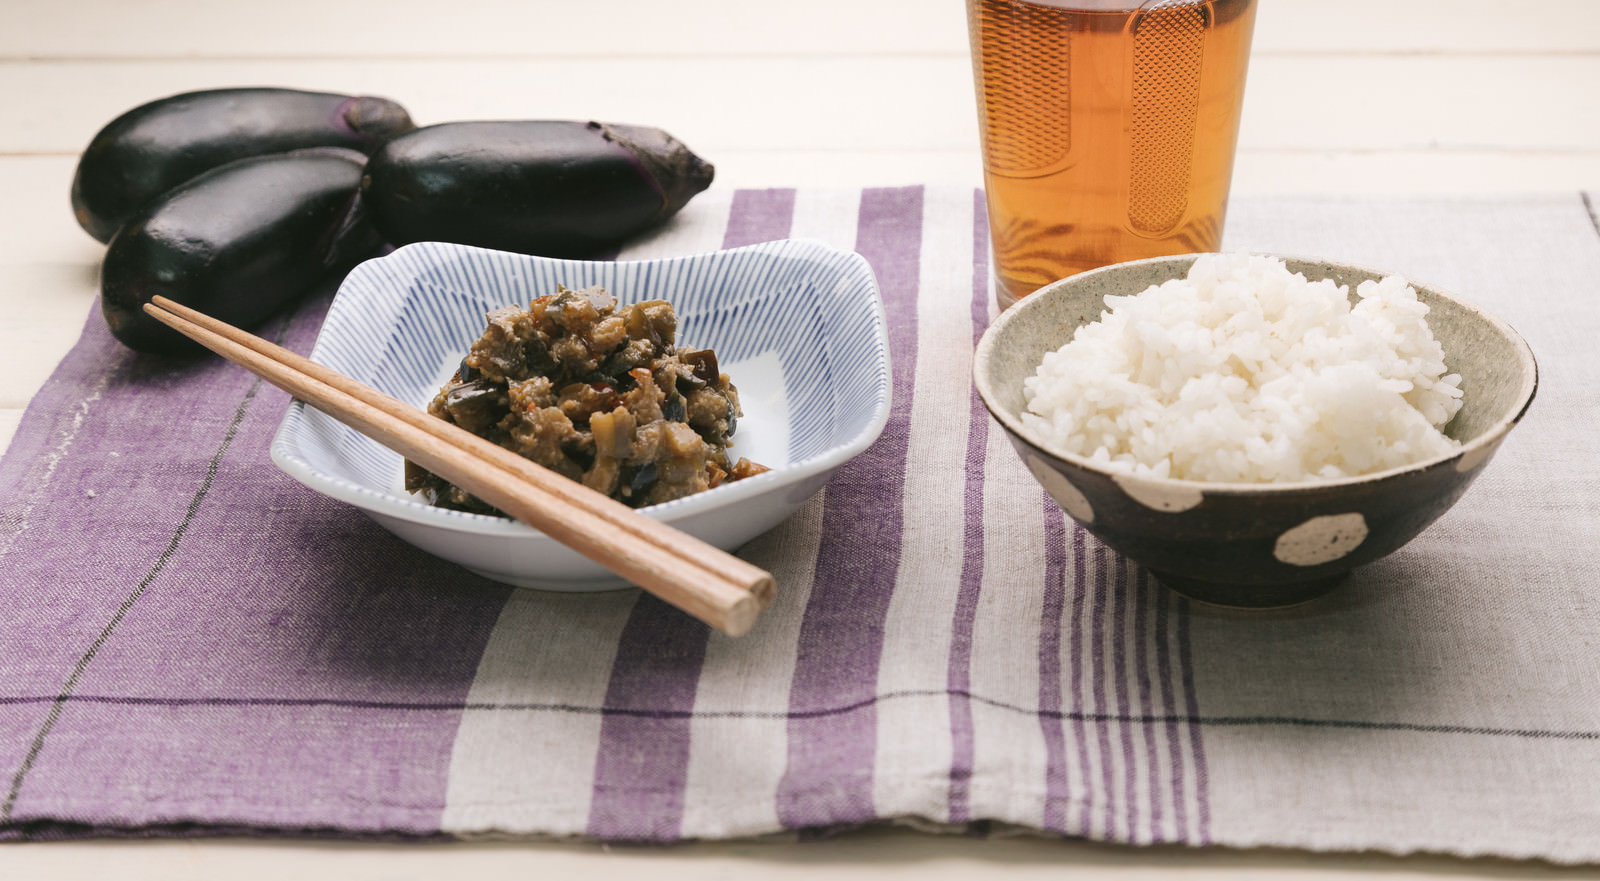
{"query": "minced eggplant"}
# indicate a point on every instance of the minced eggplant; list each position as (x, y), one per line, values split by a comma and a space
(598, 392)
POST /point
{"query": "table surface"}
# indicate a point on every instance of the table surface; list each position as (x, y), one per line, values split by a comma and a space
(1344, 99)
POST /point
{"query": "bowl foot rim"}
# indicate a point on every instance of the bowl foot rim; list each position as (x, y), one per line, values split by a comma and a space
(606, 584)
(1277, 595)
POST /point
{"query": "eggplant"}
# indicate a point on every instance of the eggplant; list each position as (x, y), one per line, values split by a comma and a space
(241, 243)
(156, 146)
(549, 187)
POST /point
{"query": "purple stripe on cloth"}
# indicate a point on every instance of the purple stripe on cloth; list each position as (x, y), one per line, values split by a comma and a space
(642, 763)
(1080, 737)
(962, 747)
(1124, 642)
(1097, 673)
(829, 775)
(53, 715)
(1197, 748)
(1146, 705)
(165, 557)
(759, 216)
(1056, 789)
(1169, 711)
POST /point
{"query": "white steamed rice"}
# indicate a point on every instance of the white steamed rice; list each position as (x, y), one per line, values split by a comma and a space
(1244, 372)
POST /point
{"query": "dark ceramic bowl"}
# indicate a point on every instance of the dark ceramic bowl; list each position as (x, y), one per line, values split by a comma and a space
(1257, 545)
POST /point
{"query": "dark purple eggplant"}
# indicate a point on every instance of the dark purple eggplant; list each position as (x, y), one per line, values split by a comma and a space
(156, 146)
(241, 243)
(553, 188)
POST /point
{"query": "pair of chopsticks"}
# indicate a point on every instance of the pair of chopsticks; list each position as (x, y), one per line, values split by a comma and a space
(710, 584)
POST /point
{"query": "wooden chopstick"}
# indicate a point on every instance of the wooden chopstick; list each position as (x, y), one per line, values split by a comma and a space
(704, 581)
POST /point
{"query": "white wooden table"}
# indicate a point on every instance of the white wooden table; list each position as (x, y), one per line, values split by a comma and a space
(1345, 97)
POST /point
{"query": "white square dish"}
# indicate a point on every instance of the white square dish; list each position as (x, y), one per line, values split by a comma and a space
(797, 325)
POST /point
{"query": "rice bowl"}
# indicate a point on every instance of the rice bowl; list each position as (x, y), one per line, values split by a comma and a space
(1254, 544)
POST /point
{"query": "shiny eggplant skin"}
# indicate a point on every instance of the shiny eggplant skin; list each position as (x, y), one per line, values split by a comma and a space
(549, 187)
(240, 243)
(159, 145)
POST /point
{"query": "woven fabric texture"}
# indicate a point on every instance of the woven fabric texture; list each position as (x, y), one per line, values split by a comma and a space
(192, 643)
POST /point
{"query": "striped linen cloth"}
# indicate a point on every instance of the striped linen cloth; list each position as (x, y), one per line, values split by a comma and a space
(194, 644)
